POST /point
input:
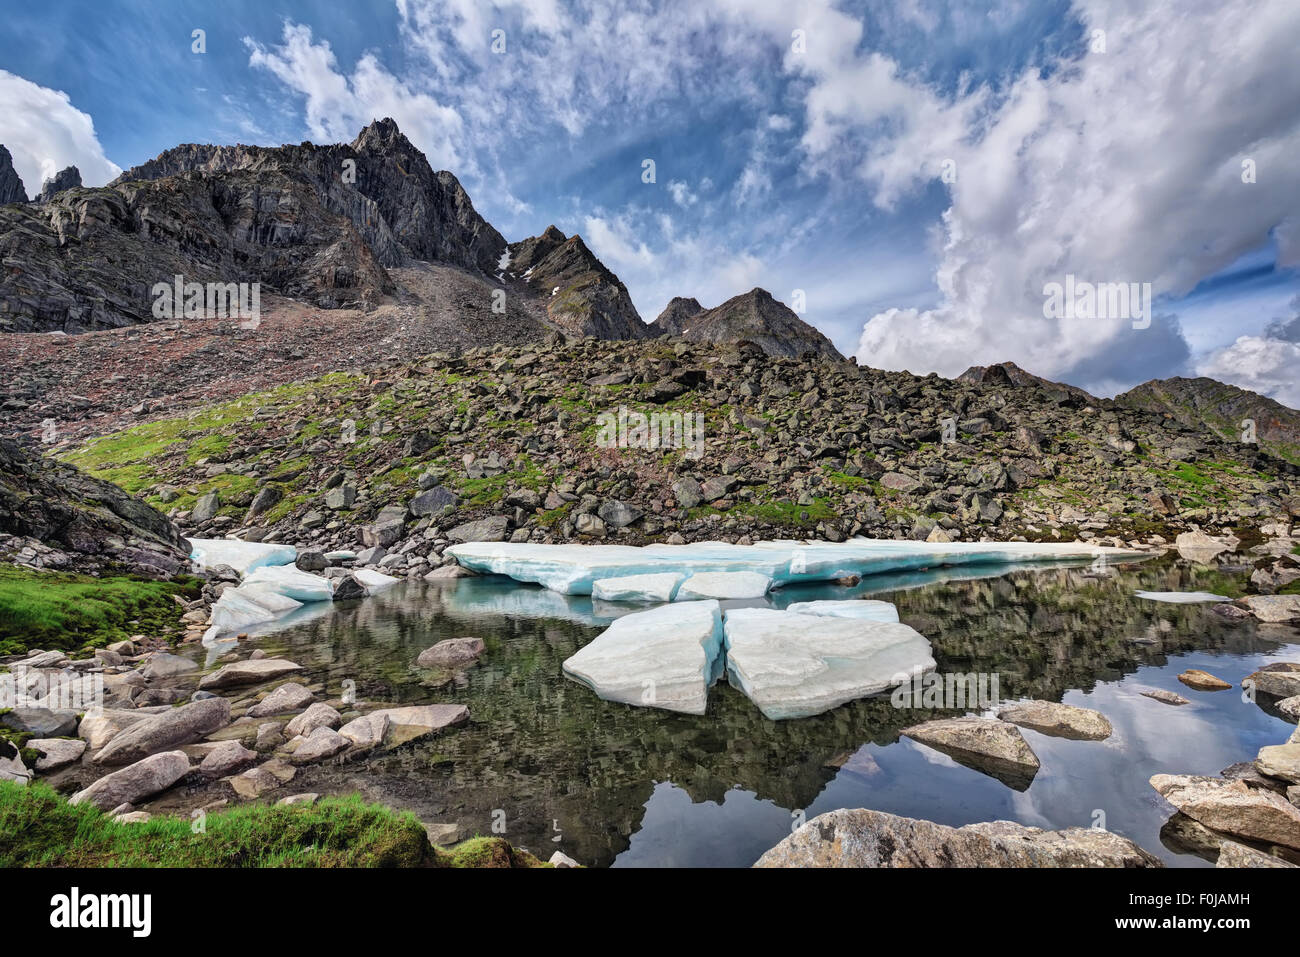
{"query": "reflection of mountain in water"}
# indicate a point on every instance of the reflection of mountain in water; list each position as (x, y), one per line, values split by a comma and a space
(546, 751)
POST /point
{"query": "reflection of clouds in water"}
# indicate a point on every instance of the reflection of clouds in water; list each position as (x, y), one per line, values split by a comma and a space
(677, 832)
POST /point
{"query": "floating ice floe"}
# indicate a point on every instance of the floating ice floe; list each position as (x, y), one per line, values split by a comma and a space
(793, 665)
(724, 585)
(244, 607)
(290, 581)
(242, 556)
(638, 588)
(1182, 597)
(667, 657)
(574, 569)
(867, 609)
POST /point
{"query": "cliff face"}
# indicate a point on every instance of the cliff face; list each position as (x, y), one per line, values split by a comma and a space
(11, 184)
(582, 297)
(54, 516)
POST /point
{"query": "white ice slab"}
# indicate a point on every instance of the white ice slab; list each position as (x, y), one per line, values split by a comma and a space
(867, 609)
(373, 580)
(243, 557)
(793, 666)
(244, 607)
(573, 569)
(1182, 597)
(638, 588)
(667, 657)
(293, 582)
(724, 585)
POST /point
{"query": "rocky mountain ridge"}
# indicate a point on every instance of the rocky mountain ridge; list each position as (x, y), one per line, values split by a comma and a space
(754, 316)
(506, 443)
(1221, 408)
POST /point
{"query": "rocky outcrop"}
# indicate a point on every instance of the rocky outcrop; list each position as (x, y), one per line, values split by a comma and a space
(754, 316)
(11, 184)
(676, 317)
(54, 516)
(1223, 409)
(865, 838)
(582, 297)
(69, 178)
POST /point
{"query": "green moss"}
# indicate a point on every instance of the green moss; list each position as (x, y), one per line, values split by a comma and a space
(494, 852)
(56, 610)
(38, 828)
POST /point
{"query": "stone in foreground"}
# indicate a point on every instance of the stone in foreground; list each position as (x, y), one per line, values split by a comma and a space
(1058, 720)
(667, 657)
(995, 748)
(170, 729)
(1232, 807)
(136, 782)
(865, 838)
(1232, 854)
(793, 666)
(249, 672)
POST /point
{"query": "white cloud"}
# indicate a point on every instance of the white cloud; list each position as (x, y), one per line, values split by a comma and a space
(45, 133)
(339, 104)
(1122, 166)
(681, 193)
(1267, 366)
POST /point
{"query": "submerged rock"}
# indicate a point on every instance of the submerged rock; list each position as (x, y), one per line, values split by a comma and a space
(1058, 720)
(667, 657)
(995, 748)
(1232, 854)
(451, 652)
(865, 838)
(793, 666)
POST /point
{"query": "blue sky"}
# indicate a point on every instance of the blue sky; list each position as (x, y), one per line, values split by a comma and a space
(798, 145)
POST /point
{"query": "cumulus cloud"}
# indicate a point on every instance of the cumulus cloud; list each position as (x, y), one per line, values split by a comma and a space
(45, 133)
(1116, 166)
(339, 104)
(1268, 364)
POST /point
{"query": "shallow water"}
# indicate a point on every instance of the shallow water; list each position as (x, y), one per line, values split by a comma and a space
(614, 785)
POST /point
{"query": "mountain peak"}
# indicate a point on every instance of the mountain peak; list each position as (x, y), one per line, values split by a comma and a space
(381, 135)
(755, 315)
(64, 179)
(11, 184)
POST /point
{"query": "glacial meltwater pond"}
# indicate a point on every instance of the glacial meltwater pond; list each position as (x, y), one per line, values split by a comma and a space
(610, 784)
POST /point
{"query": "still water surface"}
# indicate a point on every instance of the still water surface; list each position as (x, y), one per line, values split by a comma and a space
(612, 785)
